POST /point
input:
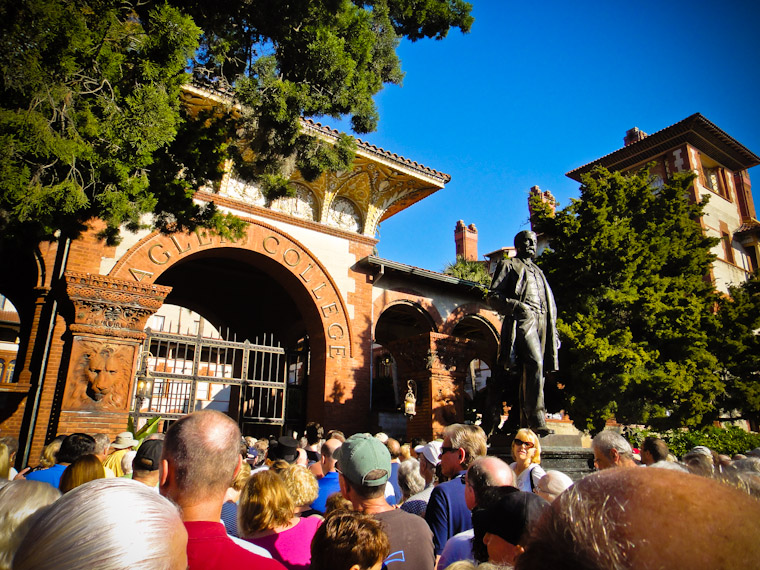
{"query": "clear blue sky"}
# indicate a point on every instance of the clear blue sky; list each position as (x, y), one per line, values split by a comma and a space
(537, 89)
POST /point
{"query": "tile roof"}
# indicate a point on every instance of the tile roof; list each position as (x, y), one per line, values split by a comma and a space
(748, 226)
(225, 95)
(695, 130)
(377, 151)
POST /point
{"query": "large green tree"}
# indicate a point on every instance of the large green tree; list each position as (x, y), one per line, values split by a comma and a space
(91, 123)
(627, 264)
(736, 342)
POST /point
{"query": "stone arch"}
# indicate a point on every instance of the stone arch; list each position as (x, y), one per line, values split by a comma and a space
(157, 252)
(298, 271)
(403, 318)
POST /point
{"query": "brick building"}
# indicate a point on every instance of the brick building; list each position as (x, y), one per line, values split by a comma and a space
(292, 314)
(720, 164)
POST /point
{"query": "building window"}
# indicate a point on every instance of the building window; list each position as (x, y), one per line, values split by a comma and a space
(713, 177)
(2, 369)
(157, 322)
(728, 252)
(752, 256)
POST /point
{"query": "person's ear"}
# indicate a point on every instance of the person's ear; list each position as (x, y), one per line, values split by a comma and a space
(239, 466)
(163, 472)
(614, 456)
(462, 456)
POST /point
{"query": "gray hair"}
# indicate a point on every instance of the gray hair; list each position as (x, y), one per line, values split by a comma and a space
(409, 478)
(109, 524)
(19, 500)
(126, 461)
(607, 440)
(102, 443)
(584, 532)
(553, 484)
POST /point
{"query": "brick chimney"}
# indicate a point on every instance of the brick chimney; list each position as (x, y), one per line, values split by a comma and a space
(546, 197)
(466, 241)
(633, 135)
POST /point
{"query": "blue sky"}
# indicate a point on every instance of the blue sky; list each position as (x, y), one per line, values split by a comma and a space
(535, 90)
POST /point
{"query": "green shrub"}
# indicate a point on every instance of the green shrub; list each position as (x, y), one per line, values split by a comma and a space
(728, 441)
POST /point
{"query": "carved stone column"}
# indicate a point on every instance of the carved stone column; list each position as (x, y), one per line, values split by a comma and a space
(109, 318)
(438, 365)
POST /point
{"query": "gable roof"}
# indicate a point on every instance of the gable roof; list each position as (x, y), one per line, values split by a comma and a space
(695, 130)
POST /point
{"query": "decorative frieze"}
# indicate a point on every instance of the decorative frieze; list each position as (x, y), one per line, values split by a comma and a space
(112, 307)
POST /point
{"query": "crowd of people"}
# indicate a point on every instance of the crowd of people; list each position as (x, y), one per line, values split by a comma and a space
(201, 496)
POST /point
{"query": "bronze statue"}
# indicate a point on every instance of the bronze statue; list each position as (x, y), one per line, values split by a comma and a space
(529, 340)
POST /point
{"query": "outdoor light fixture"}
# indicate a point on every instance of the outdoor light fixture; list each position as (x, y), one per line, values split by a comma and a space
(410, 400)
(144, 389)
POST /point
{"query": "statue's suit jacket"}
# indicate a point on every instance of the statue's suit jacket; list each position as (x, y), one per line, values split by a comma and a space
(508, 287)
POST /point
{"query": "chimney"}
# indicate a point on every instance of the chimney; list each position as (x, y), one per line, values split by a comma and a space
(466, 241)
(633, 135)
(545, 197)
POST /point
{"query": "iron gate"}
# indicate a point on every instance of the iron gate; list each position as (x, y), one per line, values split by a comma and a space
(178, 374)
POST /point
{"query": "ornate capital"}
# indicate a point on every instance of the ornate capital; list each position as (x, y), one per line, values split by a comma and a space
(113, 307)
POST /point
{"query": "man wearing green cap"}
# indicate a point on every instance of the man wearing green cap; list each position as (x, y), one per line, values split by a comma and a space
(364, 465)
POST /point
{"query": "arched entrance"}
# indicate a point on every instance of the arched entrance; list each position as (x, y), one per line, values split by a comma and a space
(281, 332)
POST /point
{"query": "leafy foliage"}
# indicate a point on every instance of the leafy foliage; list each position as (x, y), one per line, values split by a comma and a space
(91, 124)
(736, 342)
(729, 441)
(474, 271)
(627, 265)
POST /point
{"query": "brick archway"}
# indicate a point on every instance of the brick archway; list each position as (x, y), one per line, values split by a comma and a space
(301, 273)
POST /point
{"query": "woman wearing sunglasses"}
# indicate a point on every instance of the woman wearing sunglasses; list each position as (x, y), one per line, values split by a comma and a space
(526, 451)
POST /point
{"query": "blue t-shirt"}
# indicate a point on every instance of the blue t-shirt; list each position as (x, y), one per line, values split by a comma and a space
(51, 475)
(447, 512)
(328, 485)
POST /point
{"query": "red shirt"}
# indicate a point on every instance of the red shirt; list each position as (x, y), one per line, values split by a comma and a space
(209, 548)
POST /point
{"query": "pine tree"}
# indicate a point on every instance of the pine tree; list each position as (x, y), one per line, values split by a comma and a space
(736, 342)
(91, 123)
(628, 266)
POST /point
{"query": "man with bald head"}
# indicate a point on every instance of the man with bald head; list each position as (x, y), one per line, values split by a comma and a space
(484, 473)
(645, 519)
(328, 483)
(200, 458)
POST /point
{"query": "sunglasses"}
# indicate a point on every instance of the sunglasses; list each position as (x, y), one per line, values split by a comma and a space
(519, 443)
(447, 449)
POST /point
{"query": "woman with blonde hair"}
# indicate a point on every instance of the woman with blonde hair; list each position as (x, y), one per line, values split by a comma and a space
(84, 469)
(526, 451)
(5, 462)
(267, 518)
(47, 457)
(303, 489)
(19, 500)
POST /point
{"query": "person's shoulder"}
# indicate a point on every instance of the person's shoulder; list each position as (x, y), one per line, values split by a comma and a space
(257, 557)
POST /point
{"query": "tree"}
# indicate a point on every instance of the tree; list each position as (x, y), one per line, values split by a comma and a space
(736, 342)
(91, 124)
(627, 264)
(474, 271)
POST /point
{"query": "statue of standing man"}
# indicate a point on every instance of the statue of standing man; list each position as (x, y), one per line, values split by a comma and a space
(529, 339)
